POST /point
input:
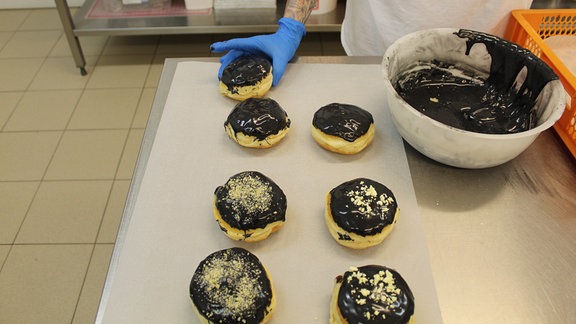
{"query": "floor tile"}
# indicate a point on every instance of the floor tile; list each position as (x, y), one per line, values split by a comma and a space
(17, 74)
(25, 156)
(105, 109)
(331, 44)
(121, 71)
(127, 45)
(4, 38)
(8, 102)
(130, 154)
(61, 73)
(87, 155)
(310, 45)
(27, 44)
(15, 199)
(4, 250)
(65, 212)
(43, 110)
(225, 37)
(41, 283)
(185, 45)
(92, 289)
(12, 19)
(91, 45)
(42, 19)
(144, 108)
(155, 71)
(114, 210)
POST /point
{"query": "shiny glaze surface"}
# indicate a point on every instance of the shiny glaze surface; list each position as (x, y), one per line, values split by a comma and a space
(460, 97)
(245, 71)
(362, 206)
(346, 121)
(374, 294)
(231, 286)
(250, 200)
(258, 117)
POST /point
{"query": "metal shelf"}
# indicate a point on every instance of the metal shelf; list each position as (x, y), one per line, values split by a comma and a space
(215, 22)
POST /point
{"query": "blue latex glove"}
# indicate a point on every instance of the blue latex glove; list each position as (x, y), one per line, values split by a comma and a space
(278, 47)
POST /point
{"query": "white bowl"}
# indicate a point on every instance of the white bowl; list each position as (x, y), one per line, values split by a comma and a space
(450, 145)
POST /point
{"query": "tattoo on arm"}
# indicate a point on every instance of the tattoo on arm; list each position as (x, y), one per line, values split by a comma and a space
(299, 9)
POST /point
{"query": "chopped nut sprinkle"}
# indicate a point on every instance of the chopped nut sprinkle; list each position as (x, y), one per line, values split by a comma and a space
(366, 197)
(249, 194)
(382, 296)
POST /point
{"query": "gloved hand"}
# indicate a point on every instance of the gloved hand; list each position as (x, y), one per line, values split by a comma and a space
(278, 47)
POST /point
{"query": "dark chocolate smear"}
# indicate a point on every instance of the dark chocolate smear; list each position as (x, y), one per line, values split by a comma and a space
(461, 98)
(508, 59)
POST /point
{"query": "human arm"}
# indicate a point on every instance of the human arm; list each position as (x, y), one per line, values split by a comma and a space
(299, 10)
(279, 47)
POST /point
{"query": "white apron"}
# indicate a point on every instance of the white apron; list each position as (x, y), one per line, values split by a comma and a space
(370, 26)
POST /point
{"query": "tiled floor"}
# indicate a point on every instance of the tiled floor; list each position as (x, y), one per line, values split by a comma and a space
(68, 146)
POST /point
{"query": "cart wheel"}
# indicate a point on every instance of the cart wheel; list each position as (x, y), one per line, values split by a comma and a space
(83, 71)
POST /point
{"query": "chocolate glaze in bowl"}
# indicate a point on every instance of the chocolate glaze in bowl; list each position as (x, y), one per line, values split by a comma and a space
(526, 96)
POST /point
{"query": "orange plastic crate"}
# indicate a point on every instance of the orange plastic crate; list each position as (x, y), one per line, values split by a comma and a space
(529, 28)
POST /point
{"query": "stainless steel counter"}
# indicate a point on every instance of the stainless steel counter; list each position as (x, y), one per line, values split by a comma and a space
(502, 241)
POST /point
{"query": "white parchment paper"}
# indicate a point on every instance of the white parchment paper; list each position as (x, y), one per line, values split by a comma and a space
(172, 228)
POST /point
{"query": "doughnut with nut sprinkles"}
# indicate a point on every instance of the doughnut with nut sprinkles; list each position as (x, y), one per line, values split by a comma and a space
(360, 213)
(249, 206)
(371, 294)
(232, 286)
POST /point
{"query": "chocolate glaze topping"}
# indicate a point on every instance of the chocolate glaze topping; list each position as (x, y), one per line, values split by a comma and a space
(348, 122)
(258, 117)
(245, 71)
(459, 97)
(375, 294)
(231, 286)
(362, 206)
(250, 200)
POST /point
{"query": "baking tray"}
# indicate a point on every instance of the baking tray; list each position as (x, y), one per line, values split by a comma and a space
(171, 228)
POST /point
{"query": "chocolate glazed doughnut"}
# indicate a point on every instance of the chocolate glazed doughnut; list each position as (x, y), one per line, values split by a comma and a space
(232, 286)
(360, 213)
(343, 128)
(257, 123)
(249, 206)
(246, 77)
(371, 294)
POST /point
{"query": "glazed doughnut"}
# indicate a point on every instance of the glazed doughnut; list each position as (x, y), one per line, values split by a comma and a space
(360, 213)
(232, 286)
(246, 77)
(257, 123)
(371, 294)
(343, 128)
(249, 207)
